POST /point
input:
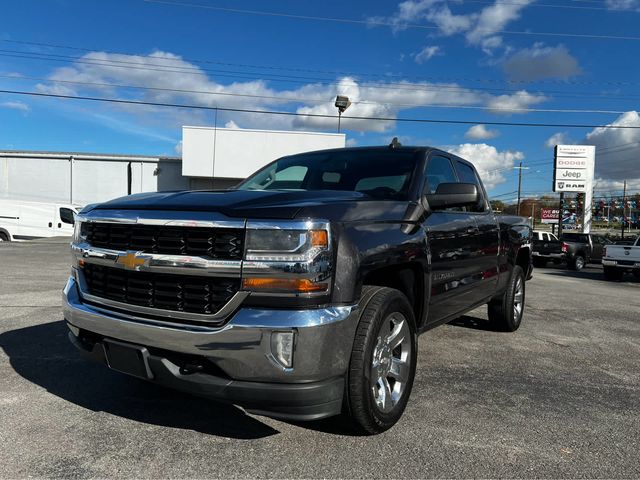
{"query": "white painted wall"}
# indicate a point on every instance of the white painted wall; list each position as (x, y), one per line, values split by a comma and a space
(55, 178)
(237, 153)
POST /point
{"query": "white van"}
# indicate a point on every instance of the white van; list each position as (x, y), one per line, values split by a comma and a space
(29, 220)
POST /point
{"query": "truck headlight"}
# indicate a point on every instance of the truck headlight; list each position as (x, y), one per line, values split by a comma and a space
(79, 230)
(287, 258)
(285, 245)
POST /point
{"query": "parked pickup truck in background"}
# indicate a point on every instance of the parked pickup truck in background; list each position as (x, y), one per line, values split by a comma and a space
(618, 259)
(583, 248)
(545, 248)
(300, 293)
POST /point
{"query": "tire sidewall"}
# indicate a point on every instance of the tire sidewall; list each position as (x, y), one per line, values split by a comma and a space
(513, 323)
(395, 302)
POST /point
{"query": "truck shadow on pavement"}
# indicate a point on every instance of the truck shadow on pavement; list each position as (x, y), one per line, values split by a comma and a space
(590, 273)
(42, 354)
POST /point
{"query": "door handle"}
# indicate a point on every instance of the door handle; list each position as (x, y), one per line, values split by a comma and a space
(59, 225)
(471, 230)
(50, 224)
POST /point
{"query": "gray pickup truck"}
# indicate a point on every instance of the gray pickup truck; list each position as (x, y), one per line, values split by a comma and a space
(299, 294)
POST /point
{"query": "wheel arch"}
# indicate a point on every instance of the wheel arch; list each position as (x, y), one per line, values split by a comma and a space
(7, 233)
(409, 278)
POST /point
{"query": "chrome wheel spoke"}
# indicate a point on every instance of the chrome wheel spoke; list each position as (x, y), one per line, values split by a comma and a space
(386, 395)
(399, 370)
(398, 334)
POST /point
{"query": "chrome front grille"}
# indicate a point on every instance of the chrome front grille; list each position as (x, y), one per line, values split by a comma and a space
(215, 243)
(180, 293)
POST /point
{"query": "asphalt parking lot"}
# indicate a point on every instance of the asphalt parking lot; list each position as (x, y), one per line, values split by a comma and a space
(559, 398)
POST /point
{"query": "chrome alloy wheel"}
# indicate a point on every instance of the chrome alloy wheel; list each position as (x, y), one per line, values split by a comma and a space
(518, 300)
(390, 365)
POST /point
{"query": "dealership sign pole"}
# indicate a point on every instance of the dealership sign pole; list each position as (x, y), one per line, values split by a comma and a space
(573, 172)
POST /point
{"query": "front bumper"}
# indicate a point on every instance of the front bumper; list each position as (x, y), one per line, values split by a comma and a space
(239, 353)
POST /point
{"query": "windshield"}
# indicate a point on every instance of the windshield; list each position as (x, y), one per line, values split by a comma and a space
(380, 174)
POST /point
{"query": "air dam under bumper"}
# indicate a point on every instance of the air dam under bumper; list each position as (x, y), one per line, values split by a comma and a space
(240, 351)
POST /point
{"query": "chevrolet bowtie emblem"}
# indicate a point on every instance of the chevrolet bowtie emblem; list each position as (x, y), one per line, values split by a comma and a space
(132, 260)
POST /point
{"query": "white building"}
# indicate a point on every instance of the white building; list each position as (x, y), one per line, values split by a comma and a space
(212, 158)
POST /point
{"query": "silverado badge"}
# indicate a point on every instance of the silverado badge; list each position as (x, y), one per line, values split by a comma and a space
(132, 260)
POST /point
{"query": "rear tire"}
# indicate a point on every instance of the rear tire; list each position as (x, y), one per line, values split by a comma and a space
(613, 274)
(578, 263)
(4, 237)
(636, 273)
(506, 311)
(383, 360)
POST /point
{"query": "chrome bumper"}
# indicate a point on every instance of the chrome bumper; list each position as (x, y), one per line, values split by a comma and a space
(242, 347)
(614, 263)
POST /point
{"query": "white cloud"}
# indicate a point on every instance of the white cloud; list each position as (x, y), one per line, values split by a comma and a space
(539, 62)
(480, 132)
(480, 28)
(494, 18)
(514, 103)
(617, 149)
(623, 4)
(352, 142)
(447, 22)
(178, 148)
(560, 138)
(182, 82)
(490, 163)
(20, 106)
(231, 124)
(427, 53)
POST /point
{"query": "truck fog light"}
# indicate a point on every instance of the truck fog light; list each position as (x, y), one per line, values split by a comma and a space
(282, 347)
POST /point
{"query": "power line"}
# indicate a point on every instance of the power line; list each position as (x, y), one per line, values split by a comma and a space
(374, 22)
(319, 100)
(330, 72)
(545, 5)
(314, 115)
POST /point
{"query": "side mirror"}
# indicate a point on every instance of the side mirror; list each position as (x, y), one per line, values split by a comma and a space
(450, 195)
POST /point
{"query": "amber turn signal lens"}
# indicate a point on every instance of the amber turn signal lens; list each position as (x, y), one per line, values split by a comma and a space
(283, 285)
(319, 238)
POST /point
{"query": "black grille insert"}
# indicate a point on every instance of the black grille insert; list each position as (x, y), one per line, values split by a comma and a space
(216, 243)
(181, 293)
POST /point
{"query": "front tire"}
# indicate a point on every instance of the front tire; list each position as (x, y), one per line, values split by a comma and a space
(383, 360)
(506, 311)
(4, 237)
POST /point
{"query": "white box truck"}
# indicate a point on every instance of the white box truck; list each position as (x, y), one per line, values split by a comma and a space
(21, 220)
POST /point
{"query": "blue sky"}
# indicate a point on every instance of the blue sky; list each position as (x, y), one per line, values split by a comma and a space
(393, 59)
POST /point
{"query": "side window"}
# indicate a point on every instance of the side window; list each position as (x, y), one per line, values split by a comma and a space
(545, 237)
(468, 175)
(439, 170)
(66, 215)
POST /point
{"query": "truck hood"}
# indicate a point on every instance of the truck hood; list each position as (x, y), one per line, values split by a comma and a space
(274, 204)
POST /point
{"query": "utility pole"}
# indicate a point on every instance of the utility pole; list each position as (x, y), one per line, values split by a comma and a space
(520, 168)
(560, 212)
(624, 206)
